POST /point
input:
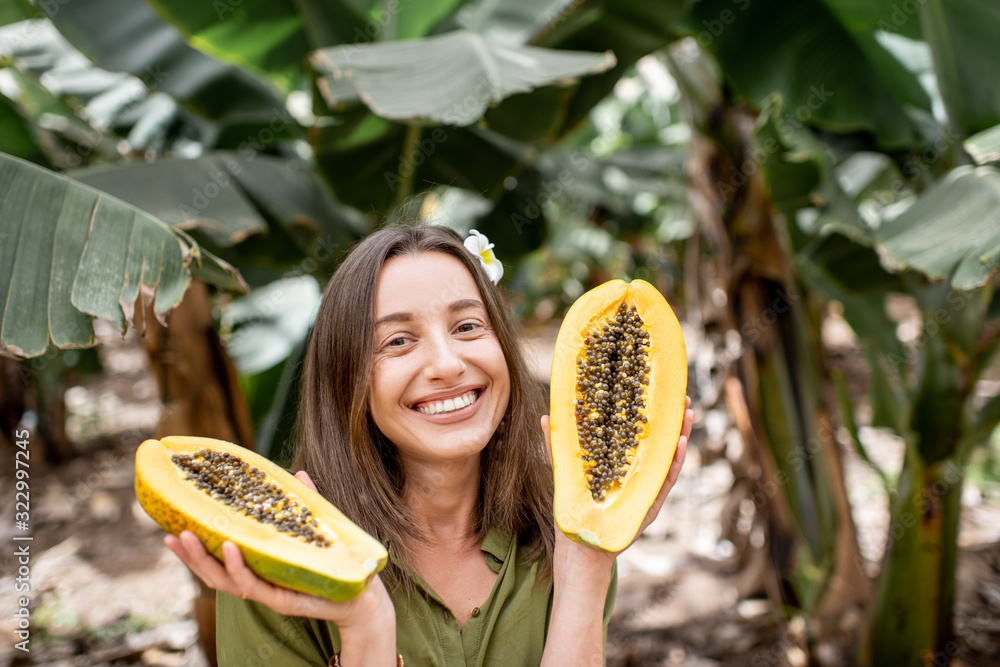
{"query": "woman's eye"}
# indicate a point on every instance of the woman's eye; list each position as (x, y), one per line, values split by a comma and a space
(396, 342)
(466, 327)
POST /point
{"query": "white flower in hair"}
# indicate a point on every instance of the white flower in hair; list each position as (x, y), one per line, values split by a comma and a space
(481, 247)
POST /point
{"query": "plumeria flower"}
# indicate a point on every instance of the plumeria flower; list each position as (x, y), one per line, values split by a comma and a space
(481, 247)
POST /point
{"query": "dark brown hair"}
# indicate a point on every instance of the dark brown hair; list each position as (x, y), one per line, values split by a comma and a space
(357, 468)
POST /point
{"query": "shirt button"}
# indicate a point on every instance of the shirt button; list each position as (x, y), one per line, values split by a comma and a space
(475, 612)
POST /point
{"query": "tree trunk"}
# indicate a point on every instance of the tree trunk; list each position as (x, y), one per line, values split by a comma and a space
(798, 479)
(911, 623)
(912, 617)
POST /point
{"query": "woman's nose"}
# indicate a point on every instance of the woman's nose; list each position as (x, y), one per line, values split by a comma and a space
(445, 361)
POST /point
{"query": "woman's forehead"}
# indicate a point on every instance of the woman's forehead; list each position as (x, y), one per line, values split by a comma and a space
(425, 282)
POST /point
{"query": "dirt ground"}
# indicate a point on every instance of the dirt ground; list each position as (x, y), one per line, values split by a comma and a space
(105, 591)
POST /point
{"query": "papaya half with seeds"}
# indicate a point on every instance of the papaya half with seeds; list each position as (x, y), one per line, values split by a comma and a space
(288, 534)
(619, 378)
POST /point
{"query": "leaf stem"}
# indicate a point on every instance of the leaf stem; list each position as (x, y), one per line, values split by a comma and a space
(407, 165)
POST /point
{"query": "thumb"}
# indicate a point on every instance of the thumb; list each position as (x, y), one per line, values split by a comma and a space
(303, 477)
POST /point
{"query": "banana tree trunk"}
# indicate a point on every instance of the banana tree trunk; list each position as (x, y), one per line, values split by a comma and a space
(197, 379)
(912, 616)
(800, 489)
(911, 622)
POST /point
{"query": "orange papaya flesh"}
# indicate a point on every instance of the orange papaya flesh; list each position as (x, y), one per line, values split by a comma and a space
(288, 534)
(619, 379)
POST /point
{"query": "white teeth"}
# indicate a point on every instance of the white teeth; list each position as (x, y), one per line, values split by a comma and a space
(449, 404)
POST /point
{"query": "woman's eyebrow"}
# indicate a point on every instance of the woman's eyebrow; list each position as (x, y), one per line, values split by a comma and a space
(463, 304)
(393, 317)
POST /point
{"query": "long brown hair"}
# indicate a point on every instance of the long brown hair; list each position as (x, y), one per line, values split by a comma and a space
(357, 468)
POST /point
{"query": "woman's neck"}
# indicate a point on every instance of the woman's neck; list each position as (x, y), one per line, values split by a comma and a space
(442, 499)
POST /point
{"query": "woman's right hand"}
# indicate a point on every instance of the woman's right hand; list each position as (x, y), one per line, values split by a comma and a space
(370, 617)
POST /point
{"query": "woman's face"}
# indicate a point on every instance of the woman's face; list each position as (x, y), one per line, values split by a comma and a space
(440, 383)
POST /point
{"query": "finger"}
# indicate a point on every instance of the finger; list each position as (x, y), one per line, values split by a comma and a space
(245, 582)
(248, 586)
(677, 463)
(681, 452)
(304, 477)
(202, 563)
(688, 423)
(545, 431)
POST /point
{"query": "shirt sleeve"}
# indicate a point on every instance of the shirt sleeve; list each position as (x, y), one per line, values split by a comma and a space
(249, 634)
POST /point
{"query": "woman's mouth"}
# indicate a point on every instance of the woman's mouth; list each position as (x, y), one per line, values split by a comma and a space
(448, 404)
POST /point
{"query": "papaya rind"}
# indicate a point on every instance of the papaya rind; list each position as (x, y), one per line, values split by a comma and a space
(612, 524)
(347, 572)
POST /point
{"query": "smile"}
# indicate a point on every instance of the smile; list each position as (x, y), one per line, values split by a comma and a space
(449, 404)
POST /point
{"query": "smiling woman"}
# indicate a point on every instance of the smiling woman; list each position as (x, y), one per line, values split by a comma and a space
(420, 421)
(440, 384)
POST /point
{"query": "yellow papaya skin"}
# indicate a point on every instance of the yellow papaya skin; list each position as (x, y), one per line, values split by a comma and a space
(612, 522)
(339, 572)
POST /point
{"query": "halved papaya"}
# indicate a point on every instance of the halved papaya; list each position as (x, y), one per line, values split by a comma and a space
(619, 377)
(288, 534)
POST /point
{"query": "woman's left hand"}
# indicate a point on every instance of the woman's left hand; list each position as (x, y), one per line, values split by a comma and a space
(672, 472)
(581, 576)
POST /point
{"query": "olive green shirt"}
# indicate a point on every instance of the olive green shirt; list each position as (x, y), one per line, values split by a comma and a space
(508, 630)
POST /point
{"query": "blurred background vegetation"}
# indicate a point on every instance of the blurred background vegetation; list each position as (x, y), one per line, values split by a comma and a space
(196, 170)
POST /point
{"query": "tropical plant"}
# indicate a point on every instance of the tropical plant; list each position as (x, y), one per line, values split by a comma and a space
(287, 118)
(865, 115)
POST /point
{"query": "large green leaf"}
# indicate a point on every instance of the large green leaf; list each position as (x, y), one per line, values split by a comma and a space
(12, 11)
(266, 37)
(268, 330)
(630, 29)
(515, 22)
(368, 158)
(852, 274)
(272, 37)
(16, 135)
(267, 324)
(412, 19)
(450, 78)
(369, 174)
(952, 230)
(188, 194)
(962, 35)
(228, 197)
(984, 146)
(69, 140)
(868, 16)
(70, 253)
(862, 20)
(829, 76)
(126, 36)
